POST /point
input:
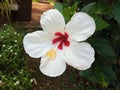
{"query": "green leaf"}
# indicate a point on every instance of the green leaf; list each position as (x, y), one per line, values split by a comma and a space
(98, 77)
(74, 6)
(103, 47)
(100, 23)
(58, 6)
(115, 31)
(89, 8)
(107, 59)
(95, 76)
(67, 13)
(86, 73)
(102, 7)
(116, 13)
(108, 72)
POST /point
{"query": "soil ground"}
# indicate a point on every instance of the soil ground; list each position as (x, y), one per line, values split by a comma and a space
(67, 81)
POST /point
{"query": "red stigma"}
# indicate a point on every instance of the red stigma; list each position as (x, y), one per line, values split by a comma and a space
(62, 39)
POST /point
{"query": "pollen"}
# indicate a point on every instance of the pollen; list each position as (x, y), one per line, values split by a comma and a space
(51, 54)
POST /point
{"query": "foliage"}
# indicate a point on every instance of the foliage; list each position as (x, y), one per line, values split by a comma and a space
(13, 73)
(35, 0)
(5, 7)
(66, 10)
(105, 71)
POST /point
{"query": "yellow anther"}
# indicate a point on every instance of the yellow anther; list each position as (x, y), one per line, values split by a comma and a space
(51, 54)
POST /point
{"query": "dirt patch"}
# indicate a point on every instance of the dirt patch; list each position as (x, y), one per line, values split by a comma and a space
(67, 80)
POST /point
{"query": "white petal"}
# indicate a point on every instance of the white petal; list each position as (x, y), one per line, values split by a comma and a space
(81, 26)
(52, 21)
(79, 56)
(53, 68)
(35, 43)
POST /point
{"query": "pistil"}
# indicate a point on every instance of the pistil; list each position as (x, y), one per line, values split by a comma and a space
(62, 39)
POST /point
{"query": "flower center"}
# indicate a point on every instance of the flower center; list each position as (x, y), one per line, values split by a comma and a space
(51, 54)
(62, 39)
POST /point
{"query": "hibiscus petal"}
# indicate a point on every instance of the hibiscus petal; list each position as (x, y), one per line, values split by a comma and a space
(52, 21)
(79, 56)
(53, 68)
(80, 27)
(36, 43)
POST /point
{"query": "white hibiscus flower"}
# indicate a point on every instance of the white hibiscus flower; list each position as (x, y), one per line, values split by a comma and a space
(59, 44)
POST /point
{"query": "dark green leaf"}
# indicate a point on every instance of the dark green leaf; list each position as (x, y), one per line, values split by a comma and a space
(58, 6)
(74, 6)
(102, 7)
(67, 13)
(107, 59)
(115, 31)
(86, 73)
(116, 13)
(108, 72)
(89, 8)
(100, 23)
(96, 8)
(103, 47)
(95, 76)
(98, 77)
